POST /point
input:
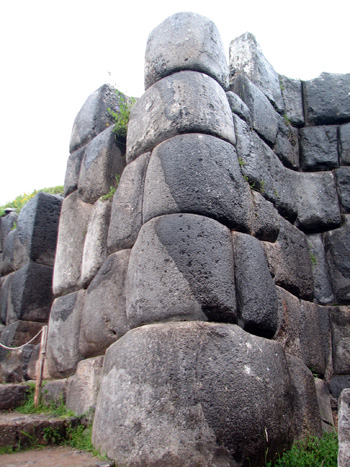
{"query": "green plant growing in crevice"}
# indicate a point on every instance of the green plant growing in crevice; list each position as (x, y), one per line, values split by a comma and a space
(241, 162)
(112, 190)
(262, 186)
(287, 120)
(121, 114)
(14, 227)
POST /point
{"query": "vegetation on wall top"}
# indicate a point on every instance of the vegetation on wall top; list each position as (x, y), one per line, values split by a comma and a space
(23, 199)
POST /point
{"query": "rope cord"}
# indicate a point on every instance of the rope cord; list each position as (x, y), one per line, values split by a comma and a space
(21, 346)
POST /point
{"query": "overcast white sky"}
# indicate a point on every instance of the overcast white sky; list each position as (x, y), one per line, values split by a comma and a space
(54, 54)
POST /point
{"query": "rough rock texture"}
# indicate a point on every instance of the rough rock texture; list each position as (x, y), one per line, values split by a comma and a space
(246, 57)
(194, 44)
(344, 429)
(54, 392)
(104, 315)
(293, 101)
(265, 221)
(324, 403)
(181, 268)
(342, 176)
(197, 174)
(323, 106)
(319, 148)
(7, 224)
(20, 332)
(256, 292)
(14, 365)
(12, 396)
(153, 411)
(72, 171)
(238, 107)
(15, 254)
(322, 286)
(344, 140)
(126, 217)
(340, 325)
(287, 144)
(160, 113)
(337, 383)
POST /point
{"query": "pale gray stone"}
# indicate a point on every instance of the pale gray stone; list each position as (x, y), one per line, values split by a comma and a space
(126, 217)
(293, 100)
(70, 244)
(82, 388)
(185, 41)
(54, 392)
(181, 268)
(256, 292)
(102, 161)
(95, 245)
(340, 323)
(265, 222)
(73, 171)
(238, 107)
(319, 148)
(63, 337)
(344, 429)
(104, 315)
(324, 403)
(264, 117)
(316, 201)
(184, 102)
(213, 409)
(327, 99)
(287, 144)
(246, 57)
(344, 144)
(199, 174)
(15, 254)
(342, 176)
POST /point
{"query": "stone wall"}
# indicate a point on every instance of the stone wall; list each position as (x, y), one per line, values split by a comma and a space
(217, 278)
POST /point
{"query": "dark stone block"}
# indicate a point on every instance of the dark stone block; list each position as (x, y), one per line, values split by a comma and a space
(337, 383)
(340, 324)
(319, 148)
(238, 107)
(344, 143)
(15, 254)
(8, 223)
(293, 101)
(12, 395)
(73, 171)
(287, 144)
(342, 177)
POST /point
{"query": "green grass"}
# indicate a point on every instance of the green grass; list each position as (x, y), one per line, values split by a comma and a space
(23, 199)
(311, 452)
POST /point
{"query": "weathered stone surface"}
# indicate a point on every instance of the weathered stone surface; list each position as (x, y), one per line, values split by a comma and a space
(324, 403)
(72, 171)
(184, 102)
(93, 117)
(54, 392)
(70, 244)
(265, 222)
(4, 297)
(316, 201)
(293, 101)
(7, 224)
(181, 268)
(246, 58)
(287, 144)
(319, 148)
(256, 292)
(344, 429)
(82, 388)
(63, 337)
(344, 144)
(323, 293)
(264, 117)
(340, 324)
(30, 295)
(126, 217)
(238, 107)
(264, 170)
(337, 383)
(95, 245)
(14, 364)
(306, 410)
(33, 365)
(153, 411)
(342, 176)
(289, 261)
(103, 160)
(327, 99)
(15, 254)
(104, 315)
(199, 174)
(185, 41)
(20, 332)
(337, 247)
(12, 395)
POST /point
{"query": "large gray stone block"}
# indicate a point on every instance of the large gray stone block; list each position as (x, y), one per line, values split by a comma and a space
(340, 324)
(342, 176)
(104, 315)
(181, 268)
(212, 409)
(265, 222)
(344, 429)
(289, 261)
(337, 383)
(327, 99)
(95, 245)
(319, 148)
(184, 102)
(264, 117)
(316, 201)
(63, 337)
(337, 247)
(256, 292)
(293, 100)
(73, 225)
(15, 254)
(102, 161)
(238, 107)
(7, 224)
(4, 297)
(344, 144)
(93, 117)
(185, 41)
(126, 217)
(72, 171)
(199, 174)
(324, 403)
(246, 57)
(287, 144)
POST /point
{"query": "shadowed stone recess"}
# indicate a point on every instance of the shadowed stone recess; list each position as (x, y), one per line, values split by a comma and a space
(342, 176)
(287, 144)
(181, 268)
(344, 143)
(185, 102)
(265, 222)
(293, 101)
(340, 324)
(197, 174)
(185, 41)
(212, 409)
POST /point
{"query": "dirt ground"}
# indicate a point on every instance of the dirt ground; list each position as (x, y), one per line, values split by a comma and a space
(58, 456)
